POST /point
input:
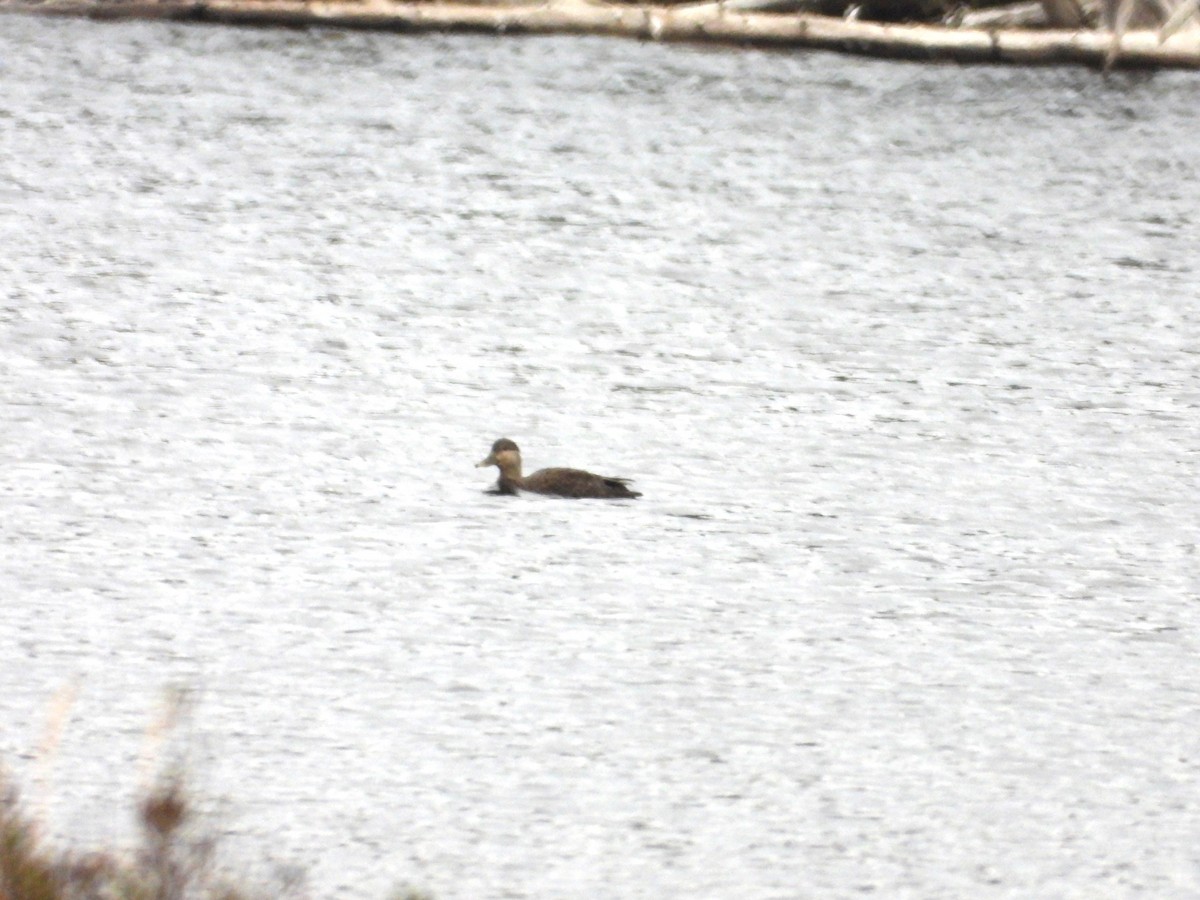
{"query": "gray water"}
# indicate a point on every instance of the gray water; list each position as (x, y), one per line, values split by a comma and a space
(904, 359)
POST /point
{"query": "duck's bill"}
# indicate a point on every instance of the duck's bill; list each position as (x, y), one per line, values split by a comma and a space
(490, 461)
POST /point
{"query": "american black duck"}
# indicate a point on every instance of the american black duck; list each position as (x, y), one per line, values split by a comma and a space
(506, 457)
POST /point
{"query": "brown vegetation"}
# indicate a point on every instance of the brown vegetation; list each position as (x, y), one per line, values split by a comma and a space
(174, 860)
(171, 863)
(175, 857)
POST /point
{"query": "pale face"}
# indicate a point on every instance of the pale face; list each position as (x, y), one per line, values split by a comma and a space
(508, 461)
(505, 456)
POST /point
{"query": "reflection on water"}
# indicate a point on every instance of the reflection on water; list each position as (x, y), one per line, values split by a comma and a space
(904, 359)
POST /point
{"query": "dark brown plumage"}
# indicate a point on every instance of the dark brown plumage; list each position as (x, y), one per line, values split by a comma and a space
(506, 456)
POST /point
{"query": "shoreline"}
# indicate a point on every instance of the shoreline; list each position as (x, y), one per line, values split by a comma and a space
(692, 23)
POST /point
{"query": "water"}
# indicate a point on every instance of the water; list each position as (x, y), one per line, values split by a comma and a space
(903, 358)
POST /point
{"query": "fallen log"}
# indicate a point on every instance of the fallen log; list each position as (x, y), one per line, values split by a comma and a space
(709, 22)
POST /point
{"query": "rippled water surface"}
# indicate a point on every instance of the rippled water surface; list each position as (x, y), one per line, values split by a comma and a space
(904, 358)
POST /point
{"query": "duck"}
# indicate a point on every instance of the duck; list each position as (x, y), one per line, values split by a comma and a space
(506, 456)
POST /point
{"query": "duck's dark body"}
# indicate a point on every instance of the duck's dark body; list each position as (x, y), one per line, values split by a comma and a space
(574, 483)
(567, 483)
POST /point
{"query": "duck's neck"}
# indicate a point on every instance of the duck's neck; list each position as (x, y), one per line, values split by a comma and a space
(510, 474)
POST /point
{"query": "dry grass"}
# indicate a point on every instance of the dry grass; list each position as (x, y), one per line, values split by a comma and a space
(170, 863)
(173, 859)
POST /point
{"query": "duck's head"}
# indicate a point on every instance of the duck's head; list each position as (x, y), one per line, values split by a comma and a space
(505, 455)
